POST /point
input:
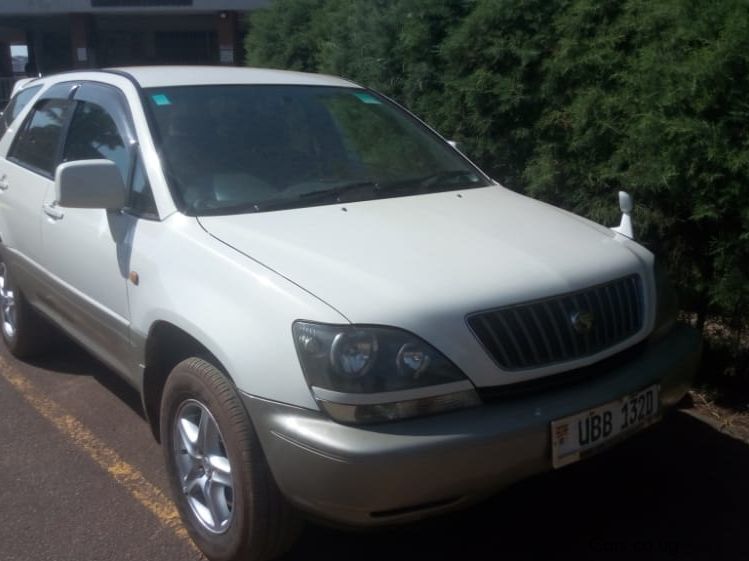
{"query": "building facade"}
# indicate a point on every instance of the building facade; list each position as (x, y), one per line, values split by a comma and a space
(47, 36)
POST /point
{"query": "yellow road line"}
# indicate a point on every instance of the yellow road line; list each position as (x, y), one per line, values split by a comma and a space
(123, 473)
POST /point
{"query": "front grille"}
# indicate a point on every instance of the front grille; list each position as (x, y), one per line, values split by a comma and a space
(563, 328)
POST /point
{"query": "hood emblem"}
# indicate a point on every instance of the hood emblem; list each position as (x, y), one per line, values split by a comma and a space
(582, 322)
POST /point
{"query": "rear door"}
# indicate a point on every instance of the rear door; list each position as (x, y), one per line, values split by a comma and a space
(16, 105)
(26, 175)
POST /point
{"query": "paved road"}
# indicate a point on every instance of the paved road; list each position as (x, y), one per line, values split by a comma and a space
(81, 479)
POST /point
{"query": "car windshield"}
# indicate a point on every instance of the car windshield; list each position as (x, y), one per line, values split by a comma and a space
(254, 148)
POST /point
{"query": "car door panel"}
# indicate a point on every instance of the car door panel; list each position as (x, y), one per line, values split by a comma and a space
(21, 200)
(87, 251)
(26, 175)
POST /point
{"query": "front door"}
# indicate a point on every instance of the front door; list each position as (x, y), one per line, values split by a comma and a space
(87, 251)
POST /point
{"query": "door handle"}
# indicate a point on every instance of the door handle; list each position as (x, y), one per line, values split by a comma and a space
(4, 183)
(53, 211)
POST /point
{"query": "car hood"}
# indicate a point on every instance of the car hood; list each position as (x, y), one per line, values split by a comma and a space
(424, 262)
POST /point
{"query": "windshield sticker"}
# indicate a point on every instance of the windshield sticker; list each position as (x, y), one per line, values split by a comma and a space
(160, 99)
(368, 98)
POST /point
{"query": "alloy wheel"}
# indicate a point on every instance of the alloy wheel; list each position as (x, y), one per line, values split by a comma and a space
(7, 303)
(203, 466)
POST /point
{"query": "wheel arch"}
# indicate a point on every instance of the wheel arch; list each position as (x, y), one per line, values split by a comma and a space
(166, 346)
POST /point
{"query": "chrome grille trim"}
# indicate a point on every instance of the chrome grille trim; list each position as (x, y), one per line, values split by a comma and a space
(539, 333)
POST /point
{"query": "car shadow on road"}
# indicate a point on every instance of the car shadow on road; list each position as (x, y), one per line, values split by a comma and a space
(71, 359)
(678, 491)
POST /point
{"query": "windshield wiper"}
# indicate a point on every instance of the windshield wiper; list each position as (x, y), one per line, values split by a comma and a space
(428, 181)
(439, 177)
(335, 193)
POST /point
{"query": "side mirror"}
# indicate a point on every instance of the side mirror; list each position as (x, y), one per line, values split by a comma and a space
(625, 202)
(90, 184)
(625, 205)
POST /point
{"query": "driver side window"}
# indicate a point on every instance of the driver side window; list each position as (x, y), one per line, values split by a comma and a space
(93, 135)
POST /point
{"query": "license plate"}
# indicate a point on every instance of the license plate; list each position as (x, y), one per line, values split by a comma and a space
(577, 436)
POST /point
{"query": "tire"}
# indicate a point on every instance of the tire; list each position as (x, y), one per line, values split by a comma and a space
(25, 332)
(249, 519)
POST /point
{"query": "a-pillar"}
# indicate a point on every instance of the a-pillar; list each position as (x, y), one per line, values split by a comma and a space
(226, 27)
(81, 40)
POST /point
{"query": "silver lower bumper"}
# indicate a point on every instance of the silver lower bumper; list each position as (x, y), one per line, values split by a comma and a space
(380, 474)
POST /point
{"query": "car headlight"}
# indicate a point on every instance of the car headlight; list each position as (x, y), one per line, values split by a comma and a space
(667, 305)
(362, 374)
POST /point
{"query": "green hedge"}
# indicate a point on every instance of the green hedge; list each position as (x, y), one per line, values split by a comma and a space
(568, 101)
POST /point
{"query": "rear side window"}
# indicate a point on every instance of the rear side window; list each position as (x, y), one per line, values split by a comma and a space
(37, 143)
(15, 107)
(93, 135)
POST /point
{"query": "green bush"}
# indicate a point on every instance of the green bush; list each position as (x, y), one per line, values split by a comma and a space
(569, 101)
(651, 97)
(287, 35)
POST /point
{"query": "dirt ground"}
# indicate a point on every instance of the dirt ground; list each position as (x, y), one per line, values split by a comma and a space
(730, 420)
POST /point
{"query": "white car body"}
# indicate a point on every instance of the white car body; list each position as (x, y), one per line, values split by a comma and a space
(236, 284)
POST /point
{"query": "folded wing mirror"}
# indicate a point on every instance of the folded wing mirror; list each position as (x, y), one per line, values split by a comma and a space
(626, 205)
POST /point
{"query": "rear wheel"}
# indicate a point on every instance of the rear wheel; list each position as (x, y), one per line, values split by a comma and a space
(24, 331)
(220, 479)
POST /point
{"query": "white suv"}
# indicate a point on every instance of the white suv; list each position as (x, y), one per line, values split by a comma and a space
(326, 307)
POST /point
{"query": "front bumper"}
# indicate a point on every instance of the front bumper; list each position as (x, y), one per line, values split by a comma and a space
(393, 472)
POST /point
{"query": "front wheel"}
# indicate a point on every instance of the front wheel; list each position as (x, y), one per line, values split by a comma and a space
(220, 479)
